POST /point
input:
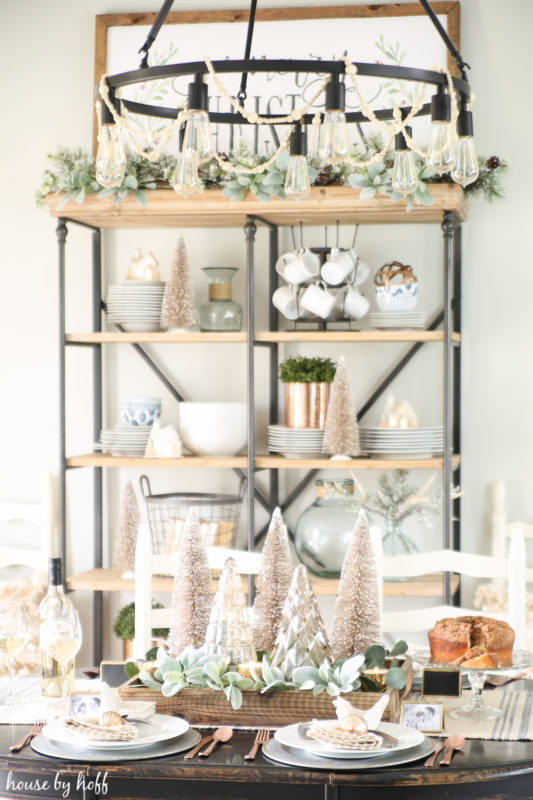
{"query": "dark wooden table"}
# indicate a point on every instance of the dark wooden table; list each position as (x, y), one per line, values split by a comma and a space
(485, 769)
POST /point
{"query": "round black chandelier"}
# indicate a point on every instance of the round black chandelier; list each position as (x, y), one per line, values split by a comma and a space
(450, 146)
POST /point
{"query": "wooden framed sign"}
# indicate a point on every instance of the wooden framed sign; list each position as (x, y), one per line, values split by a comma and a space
(398, 33)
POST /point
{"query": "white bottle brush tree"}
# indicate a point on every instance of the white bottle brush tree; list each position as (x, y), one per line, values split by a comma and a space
(128, 528)
(357, 615)
(192, 591)
(341, 435)
(272, 583)
(179, 308)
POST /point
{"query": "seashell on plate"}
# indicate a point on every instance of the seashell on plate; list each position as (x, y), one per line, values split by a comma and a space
(111, 718)
(350, 718)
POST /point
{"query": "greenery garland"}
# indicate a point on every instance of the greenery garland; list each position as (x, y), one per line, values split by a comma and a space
(73, 174)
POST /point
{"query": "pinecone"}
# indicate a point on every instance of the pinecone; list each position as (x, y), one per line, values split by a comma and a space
(324, 177)
(493, 162)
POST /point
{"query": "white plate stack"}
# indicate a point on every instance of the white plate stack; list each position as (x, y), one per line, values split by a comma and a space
(296, 442)
(136, 305)
(398, 319)
(124, 440)
(392, 442)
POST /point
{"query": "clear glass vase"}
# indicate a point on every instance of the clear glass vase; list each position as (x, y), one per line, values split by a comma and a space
(324, 529)
(396, 543)
(220, 313)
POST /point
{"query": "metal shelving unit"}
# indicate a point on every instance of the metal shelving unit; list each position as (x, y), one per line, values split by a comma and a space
(324, 206)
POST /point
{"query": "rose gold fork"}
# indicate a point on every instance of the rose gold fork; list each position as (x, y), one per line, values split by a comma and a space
(35, 731)
(262, 737)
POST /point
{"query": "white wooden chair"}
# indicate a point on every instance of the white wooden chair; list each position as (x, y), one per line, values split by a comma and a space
(35, 524)
(148, 564)
(511, 568)
(502, 530)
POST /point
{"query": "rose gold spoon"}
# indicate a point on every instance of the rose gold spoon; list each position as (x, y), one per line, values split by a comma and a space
(454, 742)
(220, 735)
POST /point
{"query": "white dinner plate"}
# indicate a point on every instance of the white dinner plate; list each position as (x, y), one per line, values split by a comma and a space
(407, 737)
(161, 729)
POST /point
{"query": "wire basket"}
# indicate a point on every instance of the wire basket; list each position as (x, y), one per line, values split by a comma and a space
(218, 515)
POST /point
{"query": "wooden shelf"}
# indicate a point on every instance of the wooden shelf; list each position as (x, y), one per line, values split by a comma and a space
(280, 462)
(157, 337)
(110, 580)
(104, 460)
(260, 462)
(197, 337)
(354, 336)
(325, 205)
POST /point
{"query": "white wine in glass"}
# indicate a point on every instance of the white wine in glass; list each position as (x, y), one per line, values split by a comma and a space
(13, 636)
(61, 636)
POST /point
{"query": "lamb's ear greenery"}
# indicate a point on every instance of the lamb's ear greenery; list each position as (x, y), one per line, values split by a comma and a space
(73, 174)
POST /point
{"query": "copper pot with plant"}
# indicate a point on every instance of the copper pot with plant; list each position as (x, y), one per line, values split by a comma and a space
(307, 382)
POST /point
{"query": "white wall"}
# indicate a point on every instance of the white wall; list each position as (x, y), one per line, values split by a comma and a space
(47, 68)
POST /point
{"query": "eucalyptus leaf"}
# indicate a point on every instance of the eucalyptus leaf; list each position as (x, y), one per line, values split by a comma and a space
(396, 678)
(375, 656)
(399, 648)
(131, 668)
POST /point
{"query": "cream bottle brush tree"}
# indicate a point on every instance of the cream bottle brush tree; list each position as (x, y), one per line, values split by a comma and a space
(272, 583)
(128, 527)
(192, 591)
(341, 436)
(357, 615)
(179, 309)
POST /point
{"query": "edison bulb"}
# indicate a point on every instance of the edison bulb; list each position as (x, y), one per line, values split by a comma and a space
(185, 179)
(440, 147)
(466, 168)
(110, 157)
(297, 183)
(404, 172)
(198, 136)
(334, 144)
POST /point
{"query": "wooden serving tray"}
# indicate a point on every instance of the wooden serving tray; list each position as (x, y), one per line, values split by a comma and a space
(276, 708)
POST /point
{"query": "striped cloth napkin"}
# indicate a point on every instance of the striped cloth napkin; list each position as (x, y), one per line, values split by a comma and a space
(31, 706)
(515, 724)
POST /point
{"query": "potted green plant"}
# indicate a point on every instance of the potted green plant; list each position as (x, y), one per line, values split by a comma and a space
(124, 627)
(307, 381)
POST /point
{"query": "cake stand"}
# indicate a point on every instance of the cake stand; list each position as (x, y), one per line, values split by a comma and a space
(477, 708)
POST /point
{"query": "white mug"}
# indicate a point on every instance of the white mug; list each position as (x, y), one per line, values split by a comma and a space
(283, 260)
(362, 270)
(286, 301)
(318, 300)
(338, 266)
(355, 305)
(303, 267)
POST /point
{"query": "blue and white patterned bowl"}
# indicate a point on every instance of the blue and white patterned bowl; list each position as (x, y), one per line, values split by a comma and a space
(140, 410)
(402, 297)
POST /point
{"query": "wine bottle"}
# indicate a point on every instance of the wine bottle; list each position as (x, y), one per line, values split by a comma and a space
(52, 673)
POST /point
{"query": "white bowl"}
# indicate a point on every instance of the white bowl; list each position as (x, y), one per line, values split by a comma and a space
(400, 297)
(213, 429)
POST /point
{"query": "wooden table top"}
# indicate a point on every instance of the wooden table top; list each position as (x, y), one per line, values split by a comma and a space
(485, 769)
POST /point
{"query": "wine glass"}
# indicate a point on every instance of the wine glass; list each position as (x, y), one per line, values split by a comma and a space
(13, 636)
(61, 637)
